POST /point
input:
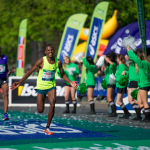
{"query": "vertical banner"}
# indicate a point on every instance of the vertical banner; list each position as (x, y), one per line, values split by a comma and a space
(71, 35)
(96, 29)
(141, 22)
(21, 48)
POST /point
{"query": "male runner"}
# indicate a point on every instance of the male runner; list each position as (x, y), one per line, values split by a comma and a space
(46, 83)
(4, 72)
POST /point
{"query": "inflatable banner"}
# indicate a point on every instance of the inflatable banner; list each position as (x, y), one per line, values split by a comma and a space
(115, 43)
(21, 48)
(141, 22)
(97, 22)
(71, 35)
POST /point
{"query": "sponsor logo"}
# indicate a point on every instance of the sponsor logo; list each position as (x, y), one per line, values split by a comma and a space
(93, 41)
(64, 53)
(137, 42)
(68, 45)
(117, 45)
(28, 90)
(76, 22)
(100, 11)
(91, 49)
(34, 129)
(68, 42)
(94, 36)
(148, 42)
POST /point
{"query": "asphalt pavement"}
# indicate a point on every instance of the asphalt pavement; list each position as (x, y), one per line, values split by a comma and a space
(102, 110)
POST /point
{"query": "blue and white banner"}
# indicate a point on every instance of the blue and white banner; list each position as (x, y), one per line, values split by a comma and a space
(68, 43)
(94, 37)
(95, 32)
(70, 36)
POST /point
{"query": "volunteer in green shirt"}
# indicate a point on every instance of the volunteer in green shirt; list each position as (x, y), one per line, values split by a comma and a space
(110, 69)
(90, 80)
(133, 84)
(46, 83)
(121, 89)
(71, 71)
(143, 70)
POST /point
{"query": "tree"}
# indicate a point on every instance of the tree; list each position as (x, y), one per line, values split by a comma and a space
(46, 21)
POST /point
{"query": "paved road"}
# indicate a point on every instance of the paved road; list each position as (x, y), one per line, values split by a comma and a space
(101, 116)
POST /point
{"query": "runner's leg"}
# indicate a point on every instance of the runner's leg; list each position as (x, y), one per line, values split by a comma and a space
(40, 102)
(5, 92)
(52, 100)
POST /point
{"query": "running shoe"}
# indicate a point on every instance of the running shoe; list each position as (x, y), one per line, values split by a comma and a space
(47, 131)
(5, 117)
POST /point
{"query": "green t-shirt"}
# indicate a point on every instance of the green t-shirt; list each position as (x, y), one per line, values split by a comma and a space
(132, 74)
(111, 69)
(71, 75)
(91, 70)
(144, 70)
(13, 74)
(120, 69)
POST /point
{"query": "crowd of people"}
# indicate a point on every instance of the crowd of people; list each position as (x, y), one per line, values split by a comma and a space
(135, 65)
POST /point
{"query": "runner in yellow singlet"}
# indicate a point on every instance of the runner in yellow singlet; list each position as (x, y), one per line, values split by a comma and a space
(46, 83)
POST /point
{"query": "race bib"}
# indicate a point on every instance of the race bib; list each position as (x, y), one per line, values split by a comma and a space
(48, 75)
(2, 69)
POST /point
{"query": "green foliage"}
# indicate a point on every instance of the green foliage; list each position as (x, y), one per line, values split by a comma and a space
(47, 18)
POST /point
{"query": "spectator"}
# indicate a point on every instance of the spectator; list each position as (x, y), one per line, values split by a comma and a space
(127, 60)
(148, 58)
(13, 71)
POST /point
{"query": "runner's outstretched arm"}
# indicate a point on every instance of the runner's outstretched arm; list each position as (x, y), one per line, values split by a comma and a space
(72, 83)
(36, 65)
